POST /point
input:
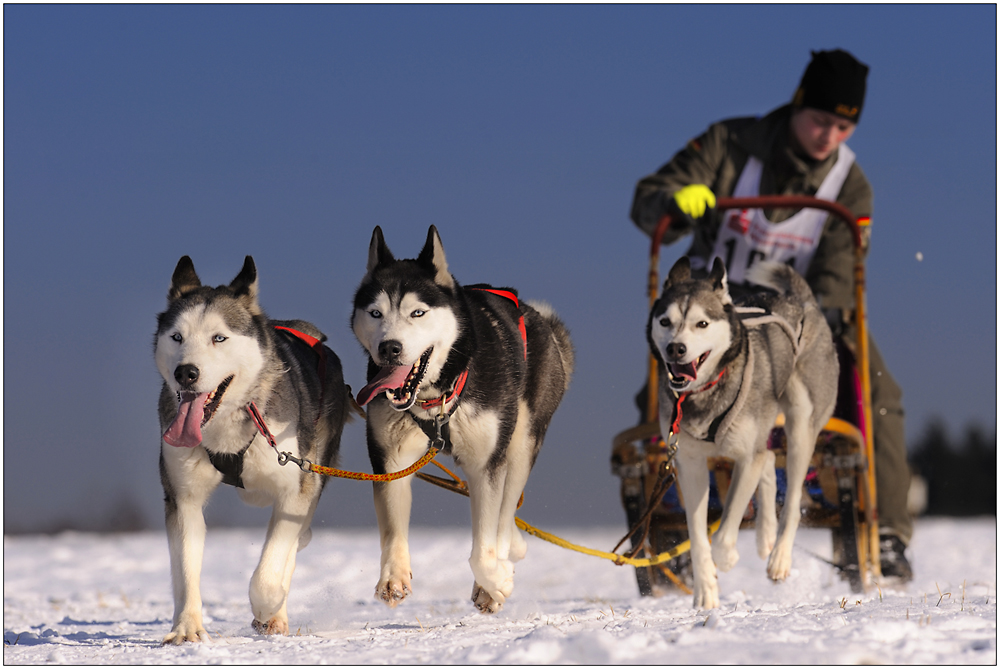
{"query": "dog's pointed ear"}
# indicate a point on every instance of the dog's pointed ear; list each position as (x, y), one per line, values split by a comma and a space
(184, 280)
(718, 275)
(378, 252)
(679, 273)
(719, 280)
(432, 256)
(245, 283)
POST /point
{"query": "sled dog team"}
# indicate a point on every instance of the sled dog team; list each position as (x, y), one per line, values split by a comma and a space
(480, 372)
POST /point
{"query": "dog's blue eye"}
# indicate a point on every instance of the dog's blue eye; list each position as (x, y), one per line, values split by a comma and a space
(218, 339)
(177, 337)
(665, 322)
(375, 313)
(418, 313)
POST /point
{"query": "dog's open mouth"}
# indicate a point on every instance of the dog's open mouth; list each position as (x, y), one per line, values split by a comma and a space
(194, 410)
(399, 382)
(683, 374)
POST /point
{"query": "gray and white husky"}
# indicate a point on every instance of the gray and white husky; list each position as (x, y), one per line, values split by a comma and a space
(731, 378)
(219, 354)
(494, 367)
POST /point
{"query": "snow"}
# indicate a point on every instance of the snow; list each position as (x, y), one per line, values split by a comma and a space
(105, 599)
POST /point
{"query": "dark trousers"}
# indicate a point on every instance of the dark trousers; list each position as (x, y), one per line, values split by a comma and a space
(892, 471)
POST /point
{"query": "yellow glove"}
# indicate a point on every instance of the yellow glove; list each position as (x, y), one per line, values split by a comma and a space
(694, 199)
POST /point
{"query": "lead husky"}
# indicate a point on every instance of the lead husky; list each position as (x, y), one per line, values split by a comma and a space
(731, 378)
(219, 354)
(497, 367)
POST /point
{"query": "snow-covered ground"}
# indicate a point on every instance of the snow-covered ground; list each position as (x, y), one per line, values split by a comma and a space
(92, 599)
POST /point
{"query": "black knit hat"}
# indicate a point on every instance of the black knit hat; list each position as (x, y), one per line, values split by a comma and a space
(833, 82)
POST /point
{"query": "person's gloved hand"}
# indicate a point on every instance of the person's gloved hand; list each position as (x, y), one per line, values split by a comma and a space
(694, 199)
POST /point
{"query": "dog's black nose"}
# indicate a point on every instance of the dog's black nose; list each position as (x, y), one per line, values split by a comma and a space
(675, 350)
(186, 375)
(390, 350)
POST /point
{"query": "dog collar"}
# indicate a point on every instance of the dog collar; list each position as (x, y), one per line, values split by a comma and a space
(447, 397)
(675, 426)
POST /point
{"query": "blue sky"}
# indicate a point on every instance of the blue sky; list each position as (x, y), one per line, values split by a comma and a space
(136, 134)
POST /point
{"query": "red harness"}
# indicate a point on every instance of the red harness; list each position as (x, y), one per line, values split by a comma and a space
(316, 345)
(520, 322)
(463, 377)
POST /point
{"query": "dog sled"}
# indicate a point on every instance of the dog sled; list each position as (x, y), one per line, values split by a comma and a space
(839, 490)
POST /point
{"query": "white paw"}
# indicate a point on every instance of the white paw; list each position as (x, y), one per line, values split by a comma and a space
(188, 628)
(393, 589)
(779, 565)
(724, 555)
(706, 593)
(267, 595)
(518, 546)
(276, 625)
(495, 577)
(484, 602)
(766, 536)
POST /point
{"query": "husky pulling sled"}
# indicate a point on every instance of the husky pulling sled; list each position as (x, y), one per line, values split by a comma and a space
(469, 368)
(831, 485)
(225, 366)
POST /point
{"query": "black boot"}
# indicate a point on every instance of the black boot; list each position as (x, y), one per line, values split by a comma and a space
(895, 566)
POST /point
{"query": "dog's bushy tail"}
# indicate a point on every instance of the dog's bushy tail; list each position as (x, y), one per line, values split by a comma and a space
(560, 336)
(782, 278)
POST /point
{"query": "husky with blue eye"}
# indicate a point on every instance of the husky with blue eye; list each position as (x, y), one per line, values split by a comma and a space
(473, 366)
(730, 369)
(220, 356)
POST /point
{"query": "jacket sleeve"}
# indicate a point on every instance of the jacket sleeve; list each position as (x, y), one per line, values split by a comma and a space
(697, 163)
(831, 272)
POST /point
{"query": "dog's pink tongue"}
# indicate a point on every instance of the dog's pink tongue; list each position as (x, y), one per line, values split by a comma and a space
(687, 370)
(388, 378)
(185, 431)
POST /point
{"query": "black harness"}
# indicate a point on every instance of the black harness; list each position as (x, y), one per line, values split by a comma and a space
(431, 429)
(230, 465)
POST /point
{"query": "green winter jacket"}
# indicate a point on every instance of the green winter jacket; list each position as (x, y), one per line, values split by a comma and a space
(716, 160)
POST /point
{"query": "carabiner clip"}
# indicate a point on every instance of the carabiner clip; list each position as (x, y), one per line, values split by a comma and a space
(284, 457)
(440, 421)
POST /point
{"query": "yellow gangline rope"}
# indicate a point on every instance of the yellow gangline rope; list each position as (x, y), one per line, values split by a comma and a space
(679, 549)
(361, 476)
